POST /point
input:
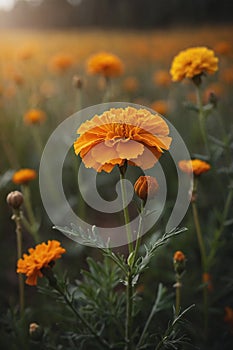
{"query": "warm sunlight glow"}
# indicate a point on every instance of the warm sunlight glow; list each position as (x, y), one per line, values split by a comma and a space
(6, 4)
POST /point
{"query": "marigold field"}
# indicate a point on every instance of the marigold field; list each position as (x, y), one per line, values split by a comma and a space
(46, 76)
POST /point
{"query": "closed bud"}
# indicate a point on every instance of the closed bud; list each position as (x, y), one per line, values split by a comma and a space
(146, 187)
(36, 331)
(15, 199)
(179, 261)
(77, 82)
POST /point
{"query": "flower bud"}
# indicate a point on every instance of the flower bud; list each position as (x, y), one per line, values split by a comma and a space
(179, 262)
(35, 331)
(146, 187)
(15, 199)
(77, 82)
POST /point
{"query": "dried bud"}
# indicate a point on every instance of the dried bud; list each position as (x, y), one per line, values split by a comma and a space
(77, 82)
(146, 187)
(179, 262)
(35, 331)
(15, 199)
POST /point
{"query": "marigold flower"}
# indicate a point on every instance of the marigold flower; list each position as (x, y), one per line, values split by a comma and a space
(146, 187)
(23, 176)
(120, 135)
(61, 62)
(195, 166)
(105, 64)
(34, 116)
(193, 62)
(160, 106)
(179, 256)
(42, 256)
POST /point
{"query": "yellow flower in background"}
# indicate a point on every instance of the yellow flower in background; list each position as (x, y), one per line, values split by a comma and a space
(146, 187)
(195, 166)
(105, 64)
(61, 62)
(192, 62)
(42, 256)
(34, 116)
(23, 176)
(119, 135)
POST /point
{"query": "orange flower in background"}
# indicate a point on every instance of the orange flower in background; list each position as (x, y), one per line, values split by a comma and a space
(61, 62)
(162, 78)
(42, 256)
(192, 62)
(223, 48)
(34, 116)
(207, 279)
(146, 187)
(105, 64)
(228, 317)
(130, 84)
(179, 256)
(120, 135)
(195, 166)
(227, 75)
(160, 106)
(23, 176)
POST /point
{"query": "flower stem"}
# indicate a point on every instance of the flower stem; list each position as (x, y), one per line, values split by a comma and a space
(31, 217)
(126, 213)
(17, 219)
(203, 255)
(129, 310)
(178, 294)
(201, 117)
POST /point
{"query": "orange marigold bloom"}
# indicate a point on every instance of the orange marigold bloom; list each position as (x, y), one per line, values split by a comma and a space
(146, 187)
(160, 106)
(122, 134)
(61, 62)
(23, 176)
(162, 78)
(39, 257)
(195, 166)
(34, 116)
(105, 64)
(192, 62)
(179, 256)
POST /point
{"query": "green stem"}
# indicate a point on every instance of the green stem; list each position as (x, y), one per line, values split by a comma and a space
(31, 217)
(126, 213)
(17, 218)
(178, 294)
(37, 140)
(203, 255)
(107, 94)
(129, 309)
(201, 117)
